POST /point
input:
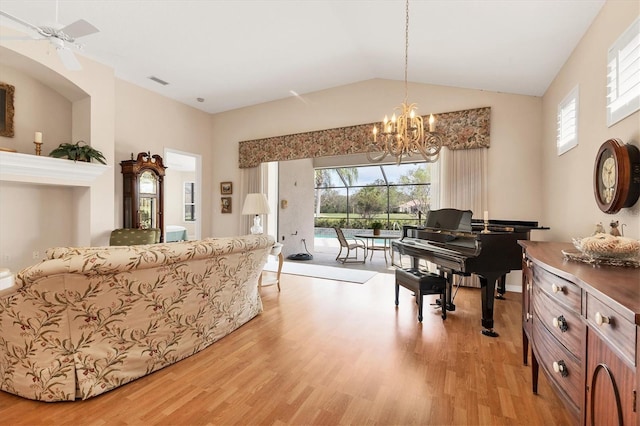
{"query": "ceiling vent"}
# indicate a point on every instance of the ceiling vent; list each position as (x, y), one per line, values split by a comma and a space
(157, 80)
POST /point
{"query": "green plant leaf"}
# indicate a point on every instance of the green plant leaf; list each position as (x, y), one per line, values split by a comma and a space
(78, 151)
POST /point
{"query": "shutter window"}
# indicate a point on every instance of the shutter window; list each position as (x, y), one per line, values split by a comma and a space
(567, 134)
(623, 75)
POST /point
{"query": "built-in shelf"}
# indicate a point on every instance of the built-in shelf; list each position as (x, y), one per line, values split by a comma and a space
(17, 167)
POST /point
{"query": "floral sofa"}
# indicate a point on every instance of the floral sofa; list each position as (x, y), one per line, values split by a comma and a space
(86, 320)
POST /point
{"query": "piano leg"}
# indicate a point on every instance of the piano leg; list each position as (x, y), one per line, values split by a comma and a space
(448, 294)
(502, 289)
(487, 291)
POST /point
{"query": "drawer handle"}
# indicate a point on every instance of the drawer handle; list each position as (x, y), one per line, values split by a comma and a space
(560, 367)
(561, 323)
(529, 263)
(529, 316)
(601, 319)
(556, 288)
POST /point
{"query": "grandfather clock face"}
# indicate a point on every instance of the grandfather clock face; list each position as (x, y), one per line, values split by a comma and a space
(148, 183)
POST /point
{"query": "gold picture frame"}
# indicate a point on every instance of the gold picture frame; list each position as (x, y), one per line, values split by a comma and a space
(7, 111)
(226, 188)
(225, 204)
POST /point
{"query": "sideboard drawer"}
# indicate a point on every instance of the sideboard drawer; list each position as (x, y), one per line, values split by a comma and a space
(562, 367)
(559, 289)
(617, 330)
(563, 323)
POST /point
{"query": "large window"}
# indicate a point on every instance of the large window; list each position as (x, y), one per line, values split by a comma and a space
(354, 197)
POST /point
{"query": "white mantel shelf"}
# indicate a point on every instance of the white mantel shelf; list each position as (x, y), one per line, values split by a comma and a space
(17, 167)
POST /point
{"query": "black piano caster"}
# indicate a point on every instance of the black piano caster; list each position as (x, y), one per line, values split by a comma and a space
(500, 296)
(450, 306)
(490, 332)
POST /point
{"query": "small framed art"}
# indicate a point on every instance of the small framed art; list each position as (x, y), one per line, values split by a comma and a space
(225, 204)
(226, 188)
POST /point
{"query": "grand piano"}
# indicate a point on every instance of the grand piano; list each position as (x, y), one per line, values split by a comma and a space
(459, 246)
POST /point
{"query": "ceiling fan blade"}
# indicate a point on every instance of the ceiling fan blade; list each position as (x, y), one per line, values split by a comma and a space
(79, 28)
(16, 38)
(68, 59)
(20, 21)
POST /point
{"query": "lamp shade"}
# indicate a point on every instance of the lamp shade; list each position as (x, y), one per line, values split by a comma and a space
(256, 204)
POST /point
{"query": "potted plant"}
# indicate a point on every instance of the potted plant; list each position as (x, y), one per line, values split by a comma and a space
(78, 151)
(376, 226)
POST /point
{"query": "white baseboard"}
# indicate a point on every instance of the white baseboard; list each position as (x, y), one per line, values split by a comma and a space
(513, 288)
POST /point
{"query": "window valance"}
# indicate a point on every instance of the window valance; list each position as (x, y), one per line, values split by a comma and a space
(466, 129)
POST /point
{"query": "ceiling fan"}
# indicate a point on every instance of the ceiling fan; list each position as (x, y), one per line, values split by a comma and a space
(61, 38)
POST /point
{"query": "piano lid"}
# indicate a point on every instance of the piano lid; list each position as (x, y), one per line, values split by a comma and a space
(449, 220)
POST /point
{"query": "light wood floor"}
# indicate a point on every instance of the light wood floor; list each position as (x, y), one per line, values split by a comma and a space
(326, 352)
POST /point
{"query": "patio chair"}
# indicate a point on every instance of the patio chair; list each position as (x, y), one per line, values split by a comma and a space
(350, 244)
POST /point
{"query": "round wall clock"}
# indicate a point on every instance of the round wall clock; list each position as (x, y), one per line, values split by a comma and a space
(616, 176)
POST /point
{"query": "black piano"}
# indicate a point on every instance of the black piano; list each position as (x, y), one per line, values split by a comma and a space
(459, 245)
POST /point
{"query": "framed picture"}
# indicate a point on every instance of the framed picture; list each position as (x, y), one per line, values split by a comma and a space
(225, 204)
(6, 109)
(226, 188)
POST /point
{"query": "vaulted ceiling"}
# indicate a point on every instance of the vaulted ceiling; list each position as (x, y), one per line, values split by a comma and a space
(239, 53)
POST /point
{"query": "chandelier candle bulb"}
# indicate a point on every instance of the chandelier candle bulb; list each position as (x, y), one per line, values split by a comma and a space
(432, 124)
(486, 216)
(38, 137)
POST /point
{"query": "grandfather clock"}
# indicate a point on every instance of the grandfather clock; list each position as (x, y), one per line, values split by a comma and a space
(143, 192)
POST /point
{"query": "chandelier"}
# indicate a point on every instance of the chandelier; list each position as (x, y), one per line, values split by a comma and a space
(404, 135)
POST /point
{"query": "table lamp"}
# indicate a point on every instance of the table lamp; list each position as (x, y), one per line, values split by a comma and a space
(256, 204)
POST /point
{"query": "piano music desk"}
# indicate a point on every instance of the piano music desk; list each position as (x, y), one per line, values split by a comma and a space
(386, 244)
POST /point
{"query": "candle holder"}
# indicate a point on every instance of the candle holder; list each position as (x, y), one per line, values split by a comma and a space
(486, 227)
(38, 147)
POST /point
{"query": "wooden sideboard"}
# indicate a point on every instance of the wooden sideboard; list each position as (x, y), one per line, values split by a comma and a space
(583, 323)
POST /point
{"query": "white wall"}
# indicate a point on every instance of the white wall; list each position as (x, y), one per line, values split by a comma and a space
(38, 108)
(68, 106)
(174, 194)
(527, 180)
(48, 99)
(569, 205)
(296, 221)
(146, 121)
(514, 156)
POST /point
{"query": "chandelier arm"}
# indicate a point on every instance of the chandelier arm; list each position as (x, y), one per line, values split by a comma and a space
(376, 158)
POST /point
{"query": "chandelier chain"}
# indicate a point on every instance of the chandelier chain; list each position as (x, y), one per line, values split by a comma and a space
(406, 52)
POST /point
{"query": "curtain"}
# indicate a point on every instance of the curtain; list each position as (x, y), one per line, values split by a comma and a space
(463, 178)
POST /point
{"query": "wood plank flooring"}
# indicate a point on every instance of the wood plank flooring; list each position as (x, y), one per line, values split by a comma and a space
(333, 353)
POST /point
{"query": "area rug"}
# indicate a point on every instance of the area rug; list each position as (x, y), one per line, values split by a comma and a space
(320, 271)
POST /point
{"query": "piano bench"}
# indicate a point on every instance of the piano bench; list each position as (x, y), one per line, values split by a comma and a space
(422, 283)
